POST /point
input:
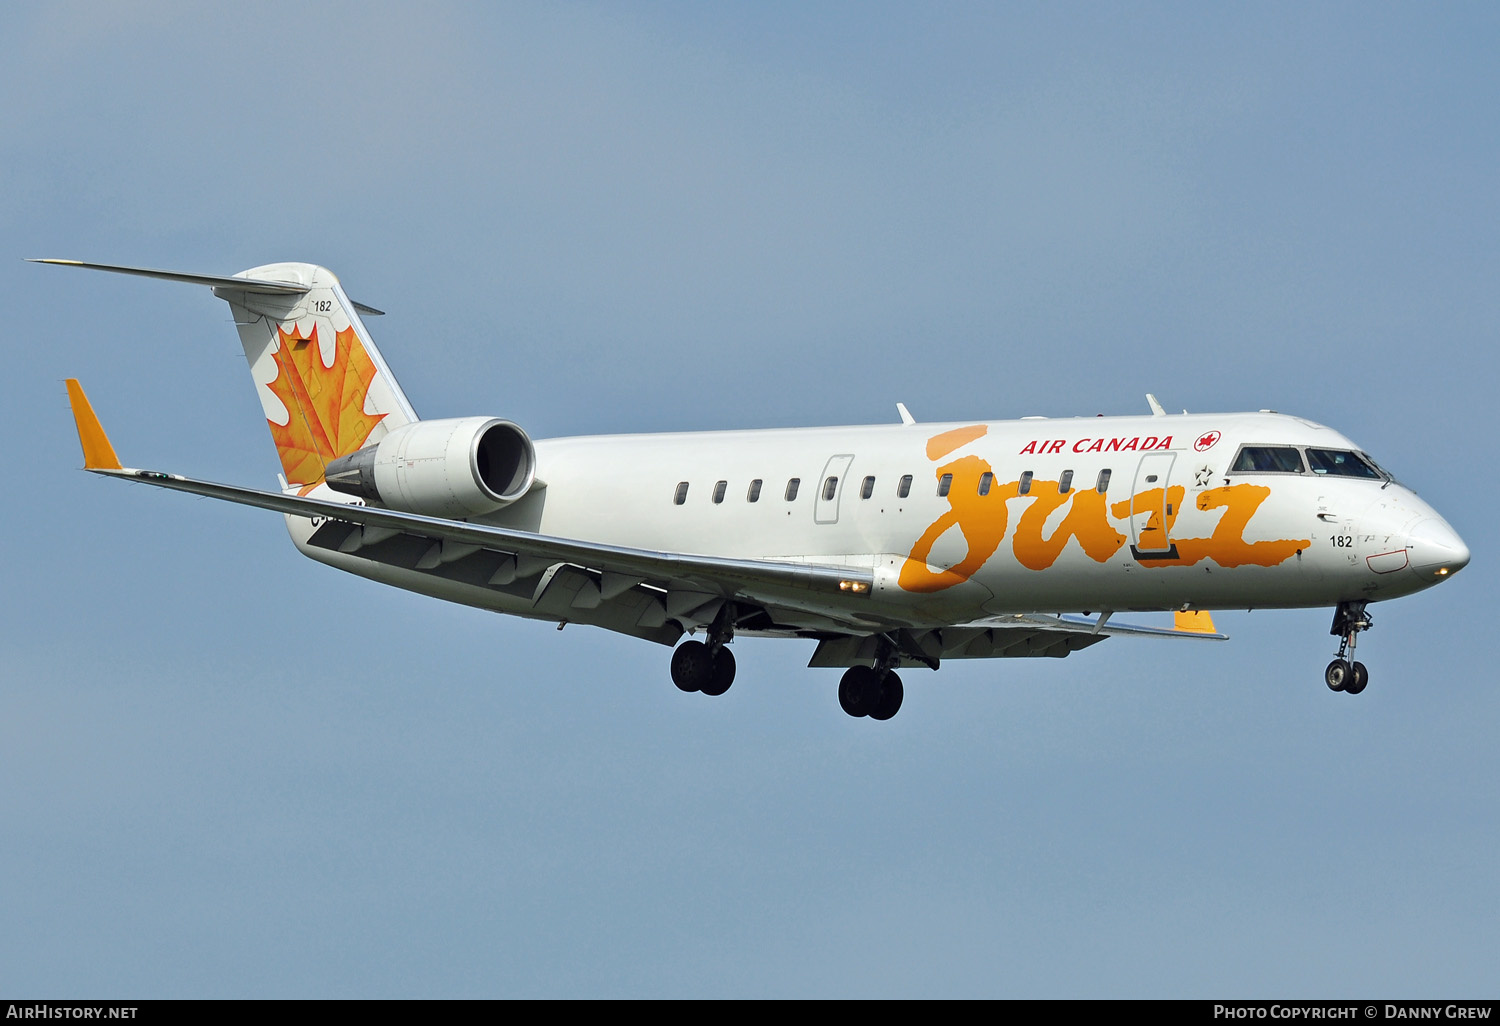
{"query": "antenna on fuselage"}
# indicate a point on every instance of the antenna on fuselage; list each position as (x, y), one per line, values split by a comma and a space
(906, 417)
(1156, 410)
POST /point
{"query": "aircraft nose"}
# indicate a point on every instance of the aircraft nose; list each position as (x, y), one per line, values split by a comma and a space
(1436, 549)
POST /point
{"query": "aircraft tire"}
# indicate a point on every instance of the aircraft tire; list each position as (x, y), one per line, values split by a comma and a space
(1358, 678)
(692, 666)
(889, 702)
(859, 690)
(721, 673)
(1337, 675)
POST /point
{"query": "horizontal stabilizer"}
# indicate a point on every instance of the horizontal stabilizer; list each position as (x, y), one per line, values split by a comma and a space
(253, 286)
(220, 281)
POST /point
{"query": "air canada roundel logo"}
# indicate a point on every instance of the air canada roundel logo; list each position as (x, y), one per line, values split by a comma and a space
(1206, 441)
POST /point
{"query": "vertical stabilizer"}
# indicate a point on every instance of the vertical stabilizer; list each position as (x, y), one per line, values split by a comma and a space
(323, 386)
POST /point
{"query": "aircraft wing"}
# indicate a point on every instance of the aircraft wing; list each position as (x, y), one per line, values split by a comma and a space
(688, 582)
(1015, 635)
(636, 591)
(687, 587)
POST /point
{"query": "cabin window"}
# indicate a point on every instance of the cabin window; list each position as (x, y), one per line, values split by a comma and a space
(904, 488)
(791, 488)
(1024, 488)
(867, 489)
(1339, 463)
(753, 495)
(1268, 459)
(719, 490)
(830, 488)
(985, 480)
(1103, 485)
(944, 483)
(1065, 483)
(681, 495)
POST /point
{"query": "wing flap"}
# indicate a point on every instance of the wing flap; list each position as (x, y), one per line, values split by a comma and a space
(410, 536)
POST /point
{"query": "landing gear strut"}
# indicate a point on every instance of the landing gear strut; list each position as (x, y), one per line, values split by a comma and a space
(873, 691)
(707, 666)
(1349, 619)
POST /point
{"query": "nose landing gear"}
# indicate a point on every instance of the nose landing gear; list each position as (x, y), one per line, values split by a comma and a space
(1349, 619)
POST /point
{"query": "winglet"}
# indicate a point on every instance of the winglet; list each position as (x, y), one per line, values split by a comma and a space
(98, 454)
(1195, 621)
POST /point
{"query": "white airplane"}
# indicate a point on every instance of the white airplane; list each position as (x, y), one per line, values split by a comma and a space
(890, 546)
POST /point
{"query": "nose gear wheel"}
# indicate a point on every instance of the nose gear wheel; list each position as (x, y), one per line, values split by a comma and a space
(1344, 674)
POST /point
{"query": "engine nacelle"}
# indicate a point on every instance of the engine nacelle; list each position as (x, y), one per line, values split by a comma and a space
(441, 468)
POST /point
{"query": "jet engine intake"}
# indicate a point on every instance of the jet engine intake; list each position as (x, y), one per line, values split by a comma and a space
(451, 468)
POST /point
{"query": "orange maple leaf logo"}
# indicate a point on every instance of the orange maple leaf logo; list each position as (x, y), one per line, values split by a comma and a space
(325, 405)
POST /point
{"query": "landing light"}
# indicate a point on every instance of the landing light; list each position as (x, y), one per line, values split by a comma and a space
(1442, 571)
(854, 586)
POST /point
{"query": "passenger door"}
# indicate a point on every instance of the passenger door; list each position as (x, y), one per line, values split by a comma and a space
(1150, 514)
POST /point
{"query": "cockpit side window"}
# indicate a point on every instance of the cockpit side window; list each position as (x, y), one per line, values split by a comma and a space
(1339, 463)
(1383, 471)
(1267, 459)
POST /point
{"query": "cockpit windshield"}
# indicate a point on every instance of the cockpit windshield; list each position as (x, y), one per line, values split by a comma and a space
(1267, 459)
(1339, 463)
(1289, 459)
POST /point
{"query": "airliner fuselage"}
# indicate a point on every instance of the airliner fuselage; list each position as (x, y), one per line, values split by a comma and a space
(972, 520)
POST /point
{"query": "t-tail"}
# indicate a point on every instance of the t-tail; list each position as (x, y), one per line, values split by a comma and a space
(323, 386)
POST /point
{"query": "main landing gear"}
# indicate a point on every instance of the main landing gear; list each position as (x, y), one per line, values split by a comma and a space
(866, 691)
(1343, 674)
(873, 691)
(707, 666)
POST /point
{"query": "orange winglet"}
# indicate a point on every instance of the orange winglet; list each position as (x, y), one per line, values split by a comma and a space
(98, 454)
(1195, 621)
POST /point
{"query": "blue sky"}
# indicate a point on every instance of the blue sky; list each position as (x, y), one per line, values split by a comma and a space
(228, 771)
